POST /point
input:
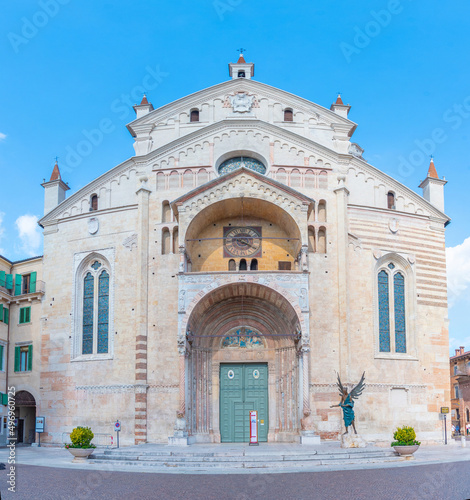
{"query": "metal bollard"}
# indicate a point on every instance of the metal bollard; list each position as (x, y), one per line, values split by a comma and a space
(463, 441)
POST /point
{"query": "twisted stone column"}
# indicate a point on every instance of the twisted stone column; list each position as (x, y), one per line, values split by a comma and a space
(306, 385)
(182, 406)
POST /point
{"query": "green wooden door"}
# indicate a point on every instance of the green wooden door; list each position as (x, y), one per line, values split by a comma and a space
(243, 388)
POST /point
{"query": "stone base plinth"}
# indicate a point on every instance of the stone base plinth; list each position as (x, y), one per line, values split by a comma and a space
(309, 437)
(352, 441)
(180, 438)
(178, 441)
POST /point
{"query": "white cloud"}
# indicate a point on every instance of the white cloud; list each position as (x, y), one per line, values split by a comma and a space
(458, 272)
(28, 231)
(2, 136)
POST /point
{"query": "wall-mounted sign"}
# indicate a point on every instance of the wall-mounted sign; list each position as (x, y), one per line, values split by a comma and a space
(253, 427)
(231, 374)
(40, 424)
(256, 374)
(444, 409)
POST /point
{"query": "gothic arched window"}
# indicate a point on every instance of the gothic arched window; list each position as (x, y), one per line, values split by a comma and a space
(391, 283)
(95, 309)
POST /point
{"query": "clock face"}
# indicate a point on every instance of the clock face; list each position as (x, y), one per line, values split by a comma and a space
(242, 241)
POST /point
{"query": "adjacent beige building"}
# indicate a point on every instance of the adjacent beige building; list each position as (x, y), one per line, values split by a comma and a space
(242, 257)
(22, 291)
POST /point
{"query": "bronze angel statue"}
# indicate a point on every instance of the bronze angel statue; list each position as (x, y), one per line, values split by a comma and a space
(347, 401)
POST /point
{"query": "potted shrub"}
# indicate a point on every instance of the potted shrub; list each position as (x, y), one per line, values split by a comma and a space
(405, 442)
(81, 447)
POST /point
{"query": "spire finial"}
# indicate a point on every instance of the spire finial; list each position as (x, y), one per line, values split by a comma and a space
(338, 99)
(432, 172)
(241, 59)
(55, 176)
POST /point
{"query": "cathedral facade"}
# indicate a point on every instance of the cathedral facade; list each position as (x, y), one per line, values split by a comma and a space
(245, 255)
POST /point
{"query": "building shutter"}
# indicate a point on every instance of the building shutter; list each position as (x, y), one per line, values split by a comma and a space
(30, 357)
(2, 278)
(32, 282)
(1, 357)
(21, 315)
(17, 358)
(17, 284)
(1, 312)
(9, 281)
(6, 315)
(27, 315)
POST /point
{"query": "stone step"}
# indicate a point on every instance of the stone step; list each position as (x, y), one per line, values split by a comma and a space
(242, 459)
(120, 455)
(247, 464)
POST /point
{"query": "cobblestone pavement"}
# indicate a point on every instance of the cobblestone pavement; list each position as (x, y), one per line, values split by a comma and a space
(449, 481)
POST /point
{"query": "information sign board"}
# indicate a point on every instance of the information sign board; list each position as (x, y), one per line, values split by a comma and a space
(253, 427)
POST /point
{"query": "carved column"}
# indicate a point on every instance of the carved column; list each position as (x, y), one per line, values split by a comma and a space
(182, 382)
(304, 257)
(141, 326)
(305, 384)
(171, 229)
(182, 265)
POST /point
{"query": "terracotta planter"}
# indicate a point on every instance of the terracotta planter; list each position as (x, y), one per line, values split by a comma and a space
(81, 454)
(406, 451)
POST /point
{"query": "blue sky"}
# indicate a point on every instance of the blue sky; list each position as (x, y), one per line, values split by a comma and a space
(71, 69)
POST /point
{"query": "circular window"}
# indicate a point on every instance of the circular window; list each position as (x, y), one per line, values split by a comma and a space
(240, 161)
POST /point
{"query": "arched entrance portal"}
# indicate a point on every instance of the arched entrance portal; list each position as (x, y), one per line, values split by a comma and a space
(25, 416)
(243, 345)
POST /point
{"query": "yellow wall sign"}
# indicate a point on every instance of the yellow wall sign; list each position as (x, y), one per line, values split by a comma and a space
(444, 409)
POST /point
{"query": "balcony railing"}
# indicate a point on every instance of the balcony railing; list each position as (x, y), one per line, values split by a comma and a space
(40, 289)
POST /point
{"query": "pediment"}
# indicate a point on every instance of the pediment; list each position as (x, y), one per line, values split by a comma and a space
(235, 100)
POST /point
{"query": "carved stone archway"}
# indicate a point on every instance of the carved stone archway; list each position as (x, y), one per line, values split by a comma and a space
(271, 308)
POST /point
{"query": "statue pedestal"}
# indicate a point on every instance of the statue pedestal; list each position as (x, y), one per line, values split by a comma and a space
(352, 441)
(179, 438)
(309, 437)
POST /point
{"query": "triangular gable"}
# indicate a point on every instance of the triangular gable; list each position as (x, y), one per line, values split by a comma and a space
(197, 98)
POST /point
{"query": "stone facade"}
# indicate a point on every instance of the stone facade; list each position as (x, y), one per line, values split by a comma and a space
(317, 224)
(460, 390)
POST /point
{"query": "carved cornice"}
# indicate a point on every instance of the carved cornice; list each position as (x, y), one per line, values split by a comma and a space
(372, 387)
